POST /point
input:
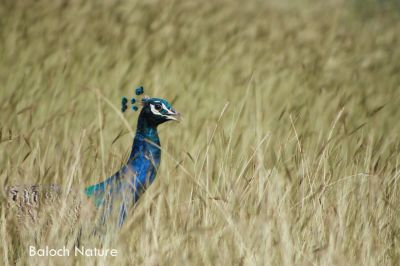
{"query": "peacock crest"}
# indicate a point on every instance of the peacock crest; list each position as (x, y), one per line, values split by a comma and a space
(124, 102)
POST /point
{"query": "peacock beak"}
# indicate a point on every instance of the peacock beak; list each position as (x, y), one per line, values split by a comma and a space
(175, 116)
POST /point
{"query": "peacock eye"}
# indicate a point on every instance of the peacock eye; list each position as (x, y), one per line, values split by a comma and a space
(158, 106)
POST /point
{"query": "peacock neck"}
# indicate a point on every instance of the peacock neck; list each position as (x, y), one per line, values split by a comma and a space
(146, 139)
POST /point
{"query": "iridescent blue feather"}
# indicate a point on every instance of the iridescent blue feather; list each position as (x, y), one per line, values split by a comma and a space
(141, 168)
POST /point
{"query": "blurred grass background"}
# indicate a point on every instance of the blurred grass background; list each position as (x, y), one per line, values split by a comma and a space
(289, 149)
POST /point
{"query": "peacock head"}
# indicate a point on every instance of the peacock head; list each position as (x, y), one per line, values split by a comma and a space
(158, 111)
(154, 110)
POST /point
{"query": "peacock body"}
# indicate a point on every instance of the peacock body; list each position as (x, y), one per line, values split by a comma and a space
(121, 190)
(139, 172)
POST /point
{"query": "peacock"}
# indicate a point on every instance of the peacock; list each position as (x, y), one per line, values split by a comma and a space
(123, 189)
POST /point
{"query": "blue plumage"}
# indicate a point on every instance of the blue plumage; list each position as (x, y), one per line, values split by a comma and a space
(141, 168)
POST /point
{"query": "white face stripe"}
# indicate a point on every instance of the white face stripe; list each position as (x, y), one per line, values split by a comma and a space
(166, 109)
(156, 112)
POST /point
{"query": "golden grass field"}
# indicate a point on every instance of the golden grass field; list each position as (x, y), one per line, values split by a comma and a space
(288, 153)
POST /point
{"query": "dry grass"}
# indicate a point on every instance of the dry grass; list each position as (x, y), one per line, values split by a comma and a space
(289, 148)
